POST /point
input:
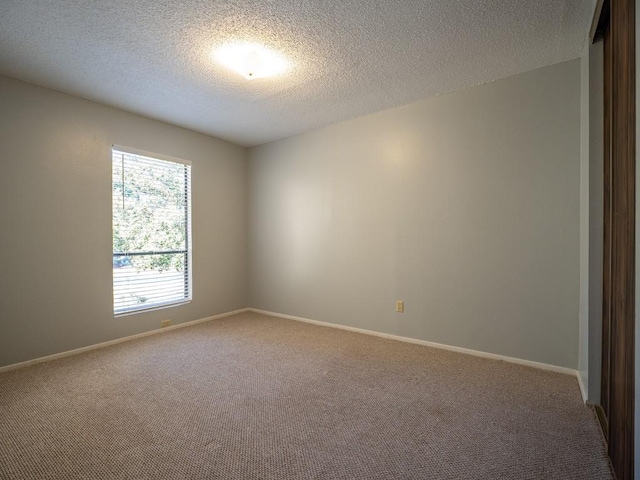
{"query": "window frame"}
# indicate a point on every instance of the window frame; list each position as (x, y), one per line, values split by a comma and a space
(188, 234)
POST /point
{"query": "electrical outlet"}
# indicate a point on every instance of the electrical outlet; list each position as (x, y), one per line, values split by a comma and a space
(165, 323)
(400, 306)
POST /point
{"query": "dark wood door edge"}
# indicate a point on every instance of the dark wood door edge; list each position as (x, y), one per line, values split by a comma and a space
(605, 384)
(622, 237)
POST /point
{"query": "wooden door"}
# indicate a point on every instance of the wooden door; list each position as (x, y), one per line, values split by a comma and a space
(616, 411)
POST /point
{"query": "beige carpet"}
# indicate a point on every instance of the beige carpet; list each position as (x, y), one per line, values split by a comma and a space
(255, 397)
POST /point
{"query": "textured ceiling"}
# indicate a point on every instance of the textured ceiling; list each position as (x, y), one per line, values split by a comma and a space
(350, 57)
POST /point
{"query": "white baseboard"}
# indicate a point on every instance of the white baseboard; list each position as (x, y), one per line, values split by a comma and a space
(88, 348)
(466, 351)
(583, 390)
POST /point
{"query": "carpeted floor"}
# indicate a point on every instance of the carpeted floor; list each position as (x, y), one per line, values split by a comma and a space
(255, 397)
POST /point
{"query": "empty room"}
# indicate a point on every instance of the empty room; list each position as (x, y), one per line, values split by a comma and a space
(299, 239)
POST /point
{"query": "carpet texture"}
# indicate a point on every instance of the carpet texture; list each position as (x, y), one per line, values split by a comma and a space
(256, 397)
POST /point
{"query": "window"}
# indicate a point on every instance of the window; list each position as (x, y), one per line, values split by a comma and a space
(151, 231)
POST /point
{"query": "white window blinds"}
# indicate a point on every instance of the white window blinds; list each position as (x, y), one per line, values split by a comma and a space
(151, 231)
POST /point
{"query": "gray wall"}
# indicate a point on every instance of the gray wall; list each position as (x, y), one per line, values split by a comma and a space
(583, 328)
(596, 216)
(591, 219)
(55, 212)
(465, 206)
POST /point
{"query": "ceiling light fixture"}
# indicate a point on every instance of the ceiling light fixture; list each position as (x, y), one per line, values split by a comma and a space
(251, 60)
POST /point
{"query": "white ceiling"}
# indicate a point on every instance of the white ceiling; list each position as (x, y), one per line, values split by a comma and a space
(351, 57)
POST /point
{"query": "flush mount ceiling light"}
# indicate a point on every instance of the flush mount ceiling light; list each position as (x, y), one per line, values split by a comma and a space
(251, 60)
